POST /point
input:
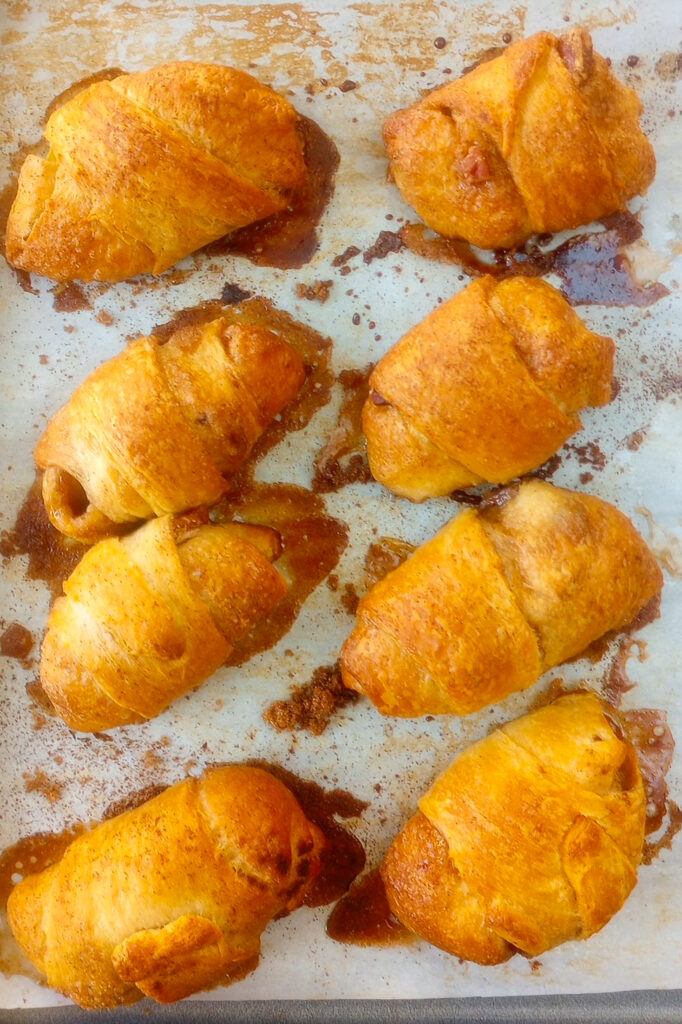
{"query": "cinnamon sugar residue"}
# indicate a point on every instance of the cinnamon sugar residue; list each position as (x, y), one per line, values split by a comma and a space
(289, 239)
(39, 782)
(312, 541)
(383, 556)
(312, 705)
(648, 731)
(344, 857)
(635, 440)
(132, 800)
(588, 454)
(33, 854)
(343, 460)
(363, 917)
(51, 556)
(70, 297)
(593, 267)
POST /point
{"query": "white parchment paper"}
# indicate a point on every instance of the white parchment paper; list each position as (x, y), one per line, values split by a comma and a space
(309, 50)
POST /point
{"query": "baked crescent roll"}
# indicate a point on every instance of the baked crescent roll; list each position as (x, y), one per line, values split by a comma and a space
(530, 838)
(496, 598)
(150, 616)
(161, 427)
(486, 388)
(168, 898)
(540, 139)
(146, 168)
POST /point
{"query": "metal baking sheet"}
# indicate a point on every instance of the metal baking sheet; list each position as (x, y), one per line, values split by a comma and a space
(388, 52)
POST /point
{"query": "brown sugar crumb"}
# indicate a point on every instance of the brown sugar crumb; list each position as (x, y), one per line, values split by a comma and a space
(16, 641)
(346, 255)
(386, 242)
(350, 599)
(589, 454)
(38, 782)
(312, 705)
(318, 291)
(104, 318)
(70, 297)
(348, 86)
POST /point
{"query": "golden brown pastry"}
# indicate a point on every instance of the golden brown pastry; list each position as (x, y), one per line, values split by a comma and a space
(150, 616)
(530, 838)
(161, 427)
(496, 598)
(542, 138)
(486, 388)
(168, 898)
(146, 168)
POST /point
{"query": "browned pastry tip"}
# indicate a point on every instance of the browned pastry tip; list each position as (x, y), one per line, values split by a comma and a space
(542, 138)
(486, 388)
(161, 428)
(171, 897)
(148, 617)
(496, 598)
(146, 168)
(532, 837)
